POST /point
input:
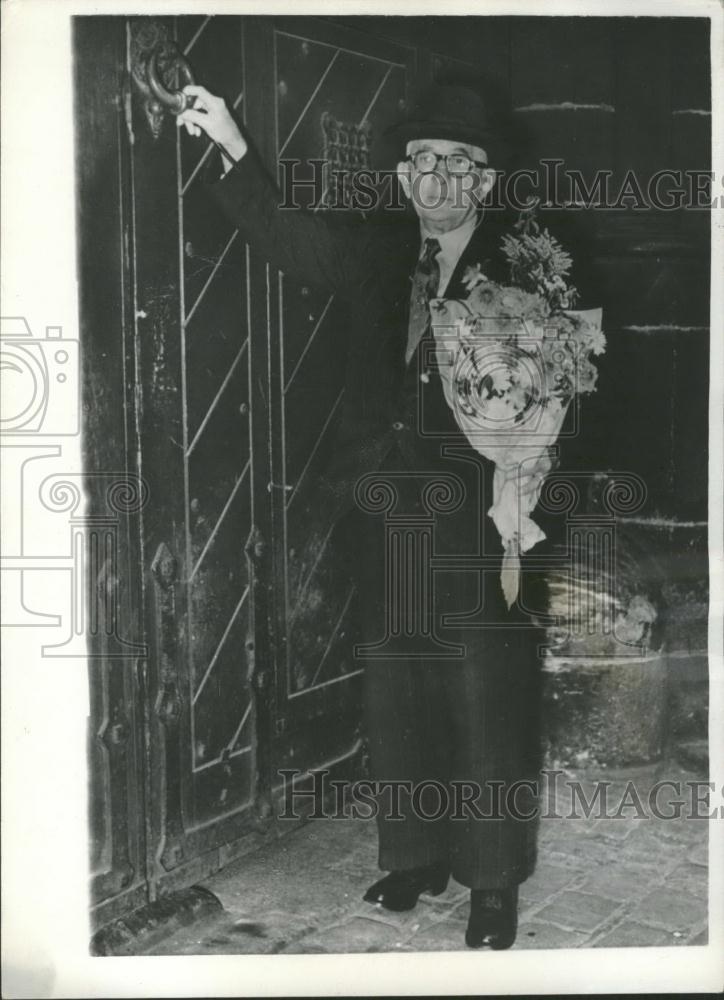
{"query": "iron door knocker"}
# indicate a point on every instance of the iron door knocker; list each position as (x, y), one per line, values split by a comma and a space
(159, 71)
(174, 101)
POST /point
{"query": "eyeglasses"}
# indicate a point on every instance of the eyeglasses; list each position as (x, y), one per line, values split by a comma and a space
(457, 164)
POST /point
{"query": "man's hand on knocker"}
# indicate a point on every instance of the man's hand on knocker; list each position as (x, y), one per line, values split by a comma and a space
(210, 115)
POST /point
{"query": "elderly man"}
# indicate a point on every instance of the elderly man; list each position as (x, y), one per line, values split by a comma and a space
(462, 723)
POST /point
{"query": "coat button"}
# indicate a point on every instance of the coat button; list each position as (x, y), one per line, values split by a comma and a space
(398, 425)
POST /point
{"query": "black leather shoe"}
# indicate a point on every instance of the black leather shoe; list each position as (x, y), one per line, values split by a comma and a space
(400, 890)
(493, 918)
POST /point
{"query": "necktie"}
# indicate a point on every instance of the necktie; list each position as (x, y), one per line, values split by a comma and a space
(425, 282)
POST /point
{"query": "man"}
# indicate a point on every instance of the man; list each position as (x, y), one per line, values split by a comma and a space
(466, 722)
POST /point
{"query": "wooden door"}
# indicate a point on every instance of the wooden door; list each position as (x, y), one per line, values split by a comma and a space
(166, 304)
(199, 352)
(213, 380)
(116, 669)
(325, 91)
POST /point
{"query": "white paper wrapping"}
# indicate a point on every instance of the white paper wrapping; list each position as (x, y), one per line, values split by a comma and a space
(520, 450)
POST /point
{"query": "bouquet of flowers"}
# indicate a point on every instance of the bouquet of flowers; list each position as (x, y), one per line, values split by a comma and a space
(511, 358)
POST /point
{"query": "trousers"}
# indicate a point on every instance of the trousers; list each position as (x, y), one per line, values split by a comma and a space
(453, 740)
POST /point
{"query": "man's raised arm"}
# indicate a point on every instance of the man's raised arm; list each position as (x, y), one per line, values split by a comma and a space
(297, 241)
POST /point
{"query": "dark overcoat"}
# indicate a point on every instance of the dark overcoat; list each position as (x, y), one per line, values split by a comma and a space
(368, 263)
(472, 719)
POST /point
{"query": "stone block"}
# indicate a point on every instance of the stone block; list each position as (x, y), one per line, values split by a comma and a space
(147, 927)
(578, 910)
(445, 935)
(266, 933)
(684, 830)
(295, 875)
(605, 710)
(672, 909)
(690, 877)
(612, 883)
(272, 932)
(399, 924)
(581, 853)
(631, 934)
(355, 935)
(545, 881)
(453, 894)
(700, 855)
(537, 934)
(618, 830)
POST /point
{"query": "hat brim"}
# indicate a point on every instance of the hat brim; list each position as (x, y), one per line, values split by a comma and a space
(493, 144)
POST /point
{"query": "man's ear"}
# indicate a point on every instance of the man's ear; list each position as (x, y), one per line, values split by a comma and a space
(403, 176)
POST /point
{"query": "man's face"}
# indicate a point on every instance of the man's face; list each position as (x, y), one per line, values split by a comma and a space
(443, 197)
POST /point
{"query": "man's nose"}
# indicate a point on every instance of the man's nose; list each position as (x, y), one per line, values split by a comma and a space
(442, 176)
(443, 170)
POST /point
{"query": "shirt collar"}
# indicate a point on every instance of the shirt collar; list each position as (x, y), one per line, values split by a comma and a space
(454, 241)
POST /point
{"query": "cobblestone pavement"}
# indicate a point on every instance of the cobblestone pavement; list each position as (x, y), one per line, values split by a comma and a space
(598, 883)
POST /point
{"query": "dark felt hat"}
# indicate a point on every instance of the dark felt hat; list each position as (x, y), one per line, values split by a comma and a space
(444, 111)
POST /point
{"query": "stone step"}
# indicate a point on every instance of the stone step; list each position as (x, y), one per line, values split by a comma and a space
(154, 922)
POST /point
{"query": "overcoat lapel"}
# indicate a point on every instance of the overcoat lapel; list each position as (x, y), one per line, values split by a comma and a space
(408, 250)
(483, 248)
